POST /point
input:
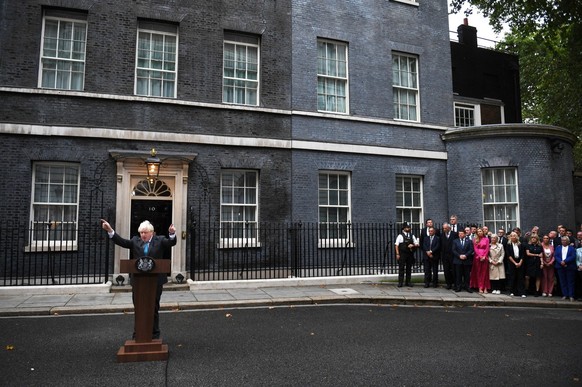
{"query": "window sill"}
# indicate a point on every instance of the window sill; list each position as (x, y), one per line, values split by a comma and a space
(403, 120)
(238, 244)
(240, 104)
(333, 113)
(409, 2)
(44, 247)
(335, 244)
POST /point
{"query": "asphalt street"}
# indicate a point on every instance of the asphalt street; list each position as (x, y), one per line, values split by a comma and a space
(333, 345)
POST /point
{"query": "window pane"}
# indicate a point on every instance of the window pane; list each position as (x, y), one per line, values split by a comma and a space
(332, 81)
(488, 195)
(240, 188)
(409, 199)
(343, 198)
(55, 195)
(240, 73)
(405, 87)
(156, 64)
(334, 204)
(416, 199)
(511, 194)
(41, 192)
(333, 198)
(500, 189)
(489, 212)
(499, 194)
(63, 54)
(487, 177)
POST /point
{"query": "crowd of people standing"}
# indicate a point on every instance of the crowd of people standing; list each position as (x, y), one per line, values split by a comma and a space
(476, 259)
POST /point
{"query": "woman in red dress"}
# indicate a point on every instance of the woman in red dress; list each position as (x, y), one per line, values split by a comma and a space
(480, 269)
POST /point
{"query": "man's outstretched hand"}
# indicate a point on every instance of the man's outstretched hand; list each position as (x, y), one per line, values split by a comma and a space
(106, 226)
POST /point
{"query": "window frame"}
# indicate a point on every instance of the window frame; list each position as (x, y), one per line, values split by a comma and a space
(59, 60)
(46, 242)
(231, 39)
(496, 223)
(475, 108)
(240, 241)
(341, 229)
(397, 88)
(150, 70)
(323, 95)
(405, 213)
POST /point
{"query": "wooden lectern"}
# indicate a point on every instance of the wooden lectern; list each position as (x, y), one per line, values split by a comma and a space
(143, 347)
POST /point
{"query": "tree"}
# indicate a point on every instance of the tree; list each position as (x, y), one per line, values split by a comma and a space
(547, 37)
(525, 15)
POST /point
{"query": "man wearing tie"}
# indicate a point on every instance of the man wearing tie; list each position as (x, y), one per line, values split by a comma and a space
(424, 232)
(447, 238)
(463, 260)
(454, 226)
(431, 247)
(146, 244)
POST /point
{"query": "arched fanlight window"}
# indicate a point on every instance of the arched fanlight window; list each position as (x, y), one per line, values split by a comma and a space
(151, 188)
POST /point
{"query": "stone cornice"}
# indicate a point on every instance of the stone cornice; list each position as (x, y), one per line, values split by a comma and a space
(119, 154)
(510, 130)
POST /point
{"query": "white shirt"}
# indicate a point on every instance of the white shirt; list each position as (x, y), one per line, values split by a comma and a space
(400, 239)
(515, 250)
(564, 253)
(110, 234)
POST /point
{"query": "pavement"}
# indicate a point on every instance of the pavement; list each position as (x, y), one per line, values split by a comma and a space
(109, 298)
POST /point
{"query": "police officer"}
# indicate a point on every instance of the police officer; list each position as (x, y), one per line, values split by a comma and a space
(405, 245)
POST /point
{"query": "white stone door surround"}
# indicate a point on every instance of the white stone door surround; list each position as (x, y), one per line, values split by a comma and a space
(174, 172)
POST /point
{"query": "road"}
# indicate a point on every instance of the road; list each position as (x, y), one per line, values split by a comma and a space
(334, 345)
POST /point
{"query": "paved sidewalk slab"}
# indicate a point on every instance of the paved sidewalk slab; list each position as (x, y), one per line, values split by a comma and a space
(188, 297)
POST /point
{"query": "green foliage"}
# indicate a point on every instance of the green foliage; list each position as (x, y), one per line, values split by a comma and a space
(524, 15)
(547, 37)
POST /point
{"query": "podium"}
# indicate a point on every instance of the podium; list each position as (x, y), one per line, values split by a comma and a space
(143, 347)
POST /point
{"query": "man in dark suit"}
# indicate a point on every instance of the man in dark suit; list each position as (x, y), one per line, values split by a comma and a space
(447, 238)
(562, 232)
(146, 244)
(463, 260)
(501, 236)
(431, 249)
(424, 232)
(455, 227)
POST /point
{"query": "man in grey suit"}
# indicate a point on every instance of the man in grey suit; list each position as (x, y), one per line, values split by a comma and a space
(463, 260)
(146, 244)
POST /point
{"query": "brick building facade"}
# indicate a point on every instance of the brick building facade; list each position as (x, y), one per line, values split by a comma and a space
(313, 111)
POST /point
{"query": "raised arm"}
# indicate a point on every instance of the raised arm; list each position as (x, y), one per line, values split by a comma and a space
(106, 226)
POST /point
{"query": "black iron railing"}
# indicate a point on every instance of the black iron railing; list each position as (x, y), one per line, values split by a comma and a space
(287, 250)
(53, 253)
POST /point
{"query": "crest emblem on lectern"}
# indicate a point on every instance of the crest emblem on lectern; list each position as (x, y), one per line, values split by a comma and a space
(145, 264)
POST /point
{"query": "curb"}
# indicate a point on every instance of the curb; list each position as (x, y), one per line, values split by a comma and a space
(291, 302)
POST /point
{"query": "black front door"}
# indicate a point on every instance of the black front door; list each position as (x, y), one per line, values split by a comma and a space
(158, 212)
